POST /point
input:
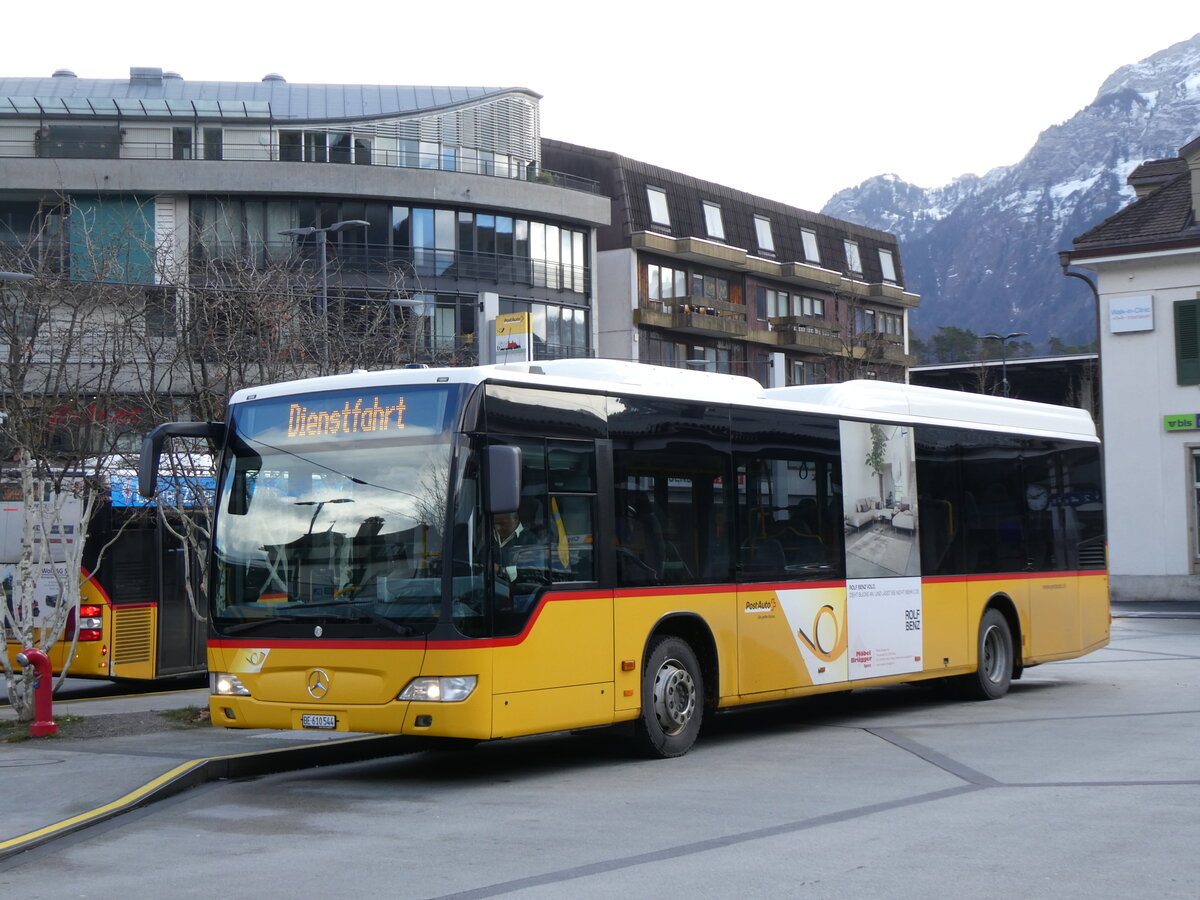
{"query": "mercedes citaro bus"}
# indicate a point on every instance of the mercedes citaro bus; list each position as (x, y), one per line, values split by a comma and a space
(487, 552)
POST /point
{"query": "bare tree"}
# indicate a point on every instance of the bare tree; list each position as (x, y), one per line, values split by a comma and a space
(252, 315)
(865, 351)
(66, 346)
(121, 318)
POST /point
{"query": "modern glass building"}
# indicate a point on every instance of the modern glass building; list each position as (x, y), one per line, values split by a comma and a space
(441, 202)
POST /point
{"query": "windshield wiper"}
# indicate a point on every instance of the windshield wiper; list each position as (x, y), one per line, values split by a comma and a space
(271, 620)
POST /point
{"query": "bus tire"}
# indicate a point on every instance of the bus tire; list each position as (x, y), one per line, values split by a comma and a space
(991, 678)
(672, 700)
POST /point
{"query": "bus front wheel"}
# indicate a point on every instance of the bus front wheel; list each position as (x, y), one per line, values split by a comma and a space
(995, 652)
(672, 700)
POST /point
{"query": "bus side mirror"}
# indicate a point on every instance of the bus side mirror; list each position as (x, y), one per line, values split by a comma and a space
(153, 444)
(503, 479)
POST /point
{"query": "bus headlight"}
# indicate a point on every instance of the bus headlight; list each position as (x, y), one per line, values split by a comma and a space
(224, 684)
(447, 689)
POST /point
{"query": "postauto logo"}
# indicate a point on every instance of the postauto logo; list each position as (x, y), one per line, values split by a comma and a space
(767, 605)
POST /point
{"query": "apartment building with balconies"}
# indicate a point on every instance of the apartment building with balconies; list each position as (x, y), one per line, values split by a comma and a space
(693, 273)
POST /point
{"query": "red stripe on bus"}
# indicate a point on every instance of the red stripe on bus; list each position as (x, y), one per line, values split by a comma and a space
(680, 590)
(1014, 576)
(85, 575)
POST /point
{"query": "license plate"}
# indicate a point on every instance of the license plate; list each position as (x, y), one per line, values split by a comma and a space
(311, 720)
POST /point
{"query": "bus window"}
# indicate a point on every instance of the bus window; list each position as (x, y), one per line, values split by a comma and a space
(1043, 513)
(673, 505)
(1083, 508)
(944, 516)
(548, 541)
(789, 497)
(993, 496)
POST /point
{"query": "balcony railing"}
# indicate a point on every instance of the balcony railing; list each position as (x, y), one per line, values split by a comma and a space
(694, 315)
(229, 152)
(402, 262)
(806, 333)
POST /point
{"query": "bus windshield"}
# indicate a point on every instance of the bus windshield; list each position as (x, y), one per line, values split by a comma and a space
(331, 511)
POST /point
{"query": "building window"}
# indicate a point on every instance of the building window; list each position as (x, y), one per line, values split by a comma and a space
(1187, 342)
(812, 306)
(864, 321)
(664, 283)
(766, 241)
(710, 287)
(888, 265)
(181, 143)
(362, 152)
(713, 224)
(853, 260)
(315, 149)
(290, 146)
(341, 147)
(809, 238)
(889, 323)
(160, 312)
(213, 144)
(659, 214)
(808, 372)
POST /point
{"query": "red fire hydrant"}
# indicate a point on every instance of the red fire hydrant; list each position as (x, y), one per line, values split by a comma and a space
(43, 686)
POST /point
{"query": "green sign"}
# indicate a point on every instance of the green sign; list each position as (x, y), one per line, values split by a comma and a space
(1180, 422)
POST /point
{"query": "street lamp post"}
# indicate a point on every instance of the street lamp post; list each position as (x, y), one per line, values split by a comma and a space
(1004, 339)
(322, 241)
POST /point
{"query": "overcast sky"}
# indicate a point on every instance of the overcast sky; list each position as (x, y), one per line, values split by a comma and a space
(789, 100)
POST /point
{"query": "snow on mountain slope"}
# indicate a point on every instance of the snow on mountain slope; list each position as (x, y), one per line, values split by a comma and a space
(981, 250)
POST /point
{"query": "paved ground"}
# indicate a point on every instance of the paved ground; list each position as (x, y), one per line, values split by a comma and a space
(1084, 782)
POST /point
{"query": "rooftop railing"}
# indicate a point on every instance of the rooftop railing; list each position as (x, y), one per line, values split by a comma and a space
(446, 159)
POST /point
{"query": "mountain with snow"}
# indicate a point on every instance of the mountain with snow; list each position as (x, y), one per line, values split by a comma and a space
(982, 250)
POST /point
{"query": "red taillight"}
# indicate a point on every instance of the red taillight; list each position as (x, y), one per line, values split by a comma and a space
(91, 623)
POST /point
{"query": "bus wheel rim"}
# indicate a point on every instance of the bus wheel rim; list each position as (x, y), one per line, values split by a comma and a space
(993, 655)
(674, 696)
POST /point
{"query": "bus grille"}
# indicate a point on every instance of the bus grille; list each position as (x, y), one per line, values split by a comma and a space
(132, 640)
(1091, 553)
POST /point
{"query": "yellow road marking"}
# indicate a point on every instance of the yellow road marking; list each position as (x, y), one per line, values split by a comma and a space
(141, 793)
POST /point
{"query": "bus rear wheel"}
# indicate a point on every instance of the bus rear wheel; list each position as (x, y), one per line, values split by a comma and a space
(672, 700)
(991, 679)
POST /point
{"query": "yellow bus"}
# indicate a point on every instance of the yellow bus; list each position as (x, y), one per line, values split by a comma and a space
(134, 621)
(482, 553)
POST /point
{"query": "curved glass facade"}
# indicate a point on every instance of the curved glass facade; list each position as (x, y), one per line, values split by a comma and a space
(438, 258)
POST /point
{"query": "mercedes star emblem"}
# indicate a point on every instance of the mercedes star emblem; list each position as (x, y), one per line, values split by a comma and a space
(318, 684)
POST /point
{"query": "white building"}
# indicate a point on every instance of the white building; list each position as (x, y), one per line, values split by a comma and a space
(1146, 260)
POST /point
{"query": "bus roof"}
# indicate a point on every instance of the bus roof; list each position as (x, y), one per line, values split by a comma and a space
(937, 406)
(877, 400)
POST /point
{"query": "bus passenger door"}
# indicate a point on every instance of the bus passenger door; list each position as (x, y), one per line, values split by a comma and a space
(553, 665)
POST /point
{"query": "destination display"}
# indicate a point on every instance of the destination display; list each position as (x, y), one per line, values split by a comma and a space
(349, 416)
(309, 421)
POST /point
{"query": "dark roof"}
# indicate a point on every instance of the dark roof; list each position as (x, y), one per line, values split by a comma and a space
(166, 94)
(1045, 379)
(1163, 216)
(1159, 168)
(1154, 172)
(625, 180)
